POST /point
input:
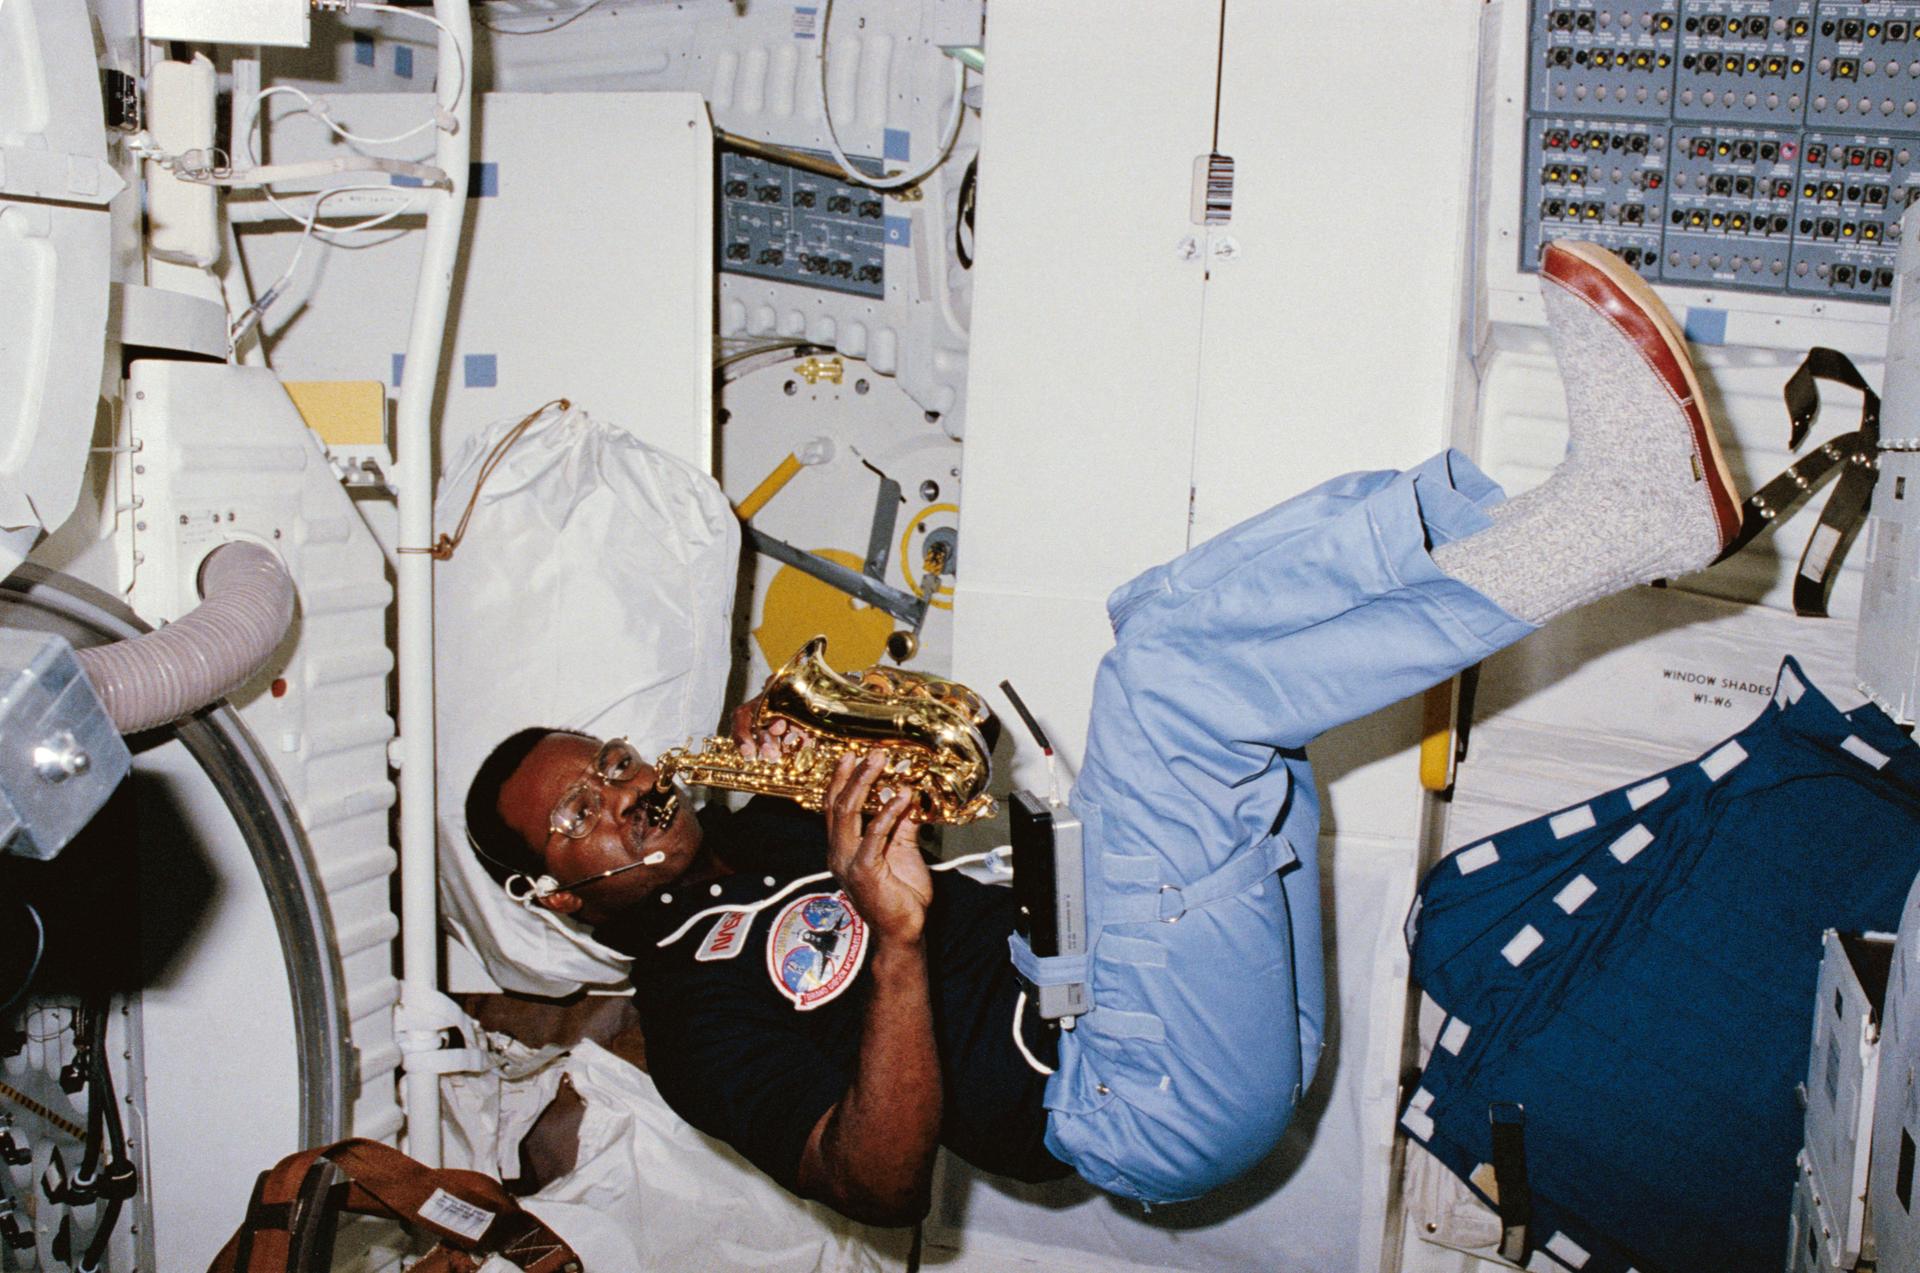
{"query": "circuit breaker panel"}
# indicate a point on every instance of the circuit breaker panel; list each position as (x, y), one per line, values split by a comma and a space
(793, 225)
(1765, 145)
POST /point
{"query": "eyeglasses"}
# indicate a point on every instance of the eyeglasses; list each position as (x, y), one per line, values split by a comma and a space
(580, 807)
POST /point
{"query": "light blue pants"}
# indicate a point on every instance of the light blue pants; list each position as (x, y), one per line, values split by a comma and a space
(1202, 824)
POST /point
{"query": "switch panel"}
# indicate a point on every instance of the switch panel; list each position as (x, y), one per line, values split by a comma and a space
(781, 222)
(1744, 60)
(1731, 211)
(1764, 145)
(1602, 180)
(1612, 59)
(1866, 67)
(1853, 188)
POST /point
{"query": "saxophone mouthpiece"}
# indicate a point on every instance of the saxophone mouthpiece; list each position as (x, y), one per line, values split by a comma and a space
(659, 807)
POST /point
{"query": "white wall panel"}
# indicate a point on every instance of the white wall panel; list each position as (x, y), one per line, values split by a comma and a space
(1086, 332)
(587, 273)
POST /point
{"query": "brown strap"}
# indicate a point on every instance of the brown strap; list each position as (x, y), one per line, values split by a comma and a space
(444, 547)
(291, 1217)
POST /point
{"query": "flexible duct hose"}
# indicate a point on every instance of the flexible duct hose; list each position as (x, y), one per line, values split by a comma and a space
(158, 677)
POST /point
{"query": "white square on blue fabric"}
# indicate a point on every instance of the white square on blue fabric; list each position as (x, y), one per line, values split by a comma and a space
(1572, 822)
(1523, 943)
(1471, 860)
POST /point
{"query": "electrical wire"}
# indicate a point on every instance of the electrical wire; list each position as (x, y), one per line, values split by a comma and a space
(238, 328)
(33, 968)
(963, 213)
(539, 30)
(892, 181)
(442, 117)
(1019, 1040)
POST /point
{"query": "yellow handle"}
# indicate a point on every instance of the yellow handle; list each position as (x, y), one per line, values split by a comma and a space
(1436, 736)
(770, 486)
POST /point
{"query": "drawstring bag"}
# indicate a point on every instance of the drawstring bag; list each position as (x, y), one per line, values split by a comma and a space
(591, 588)
(296, 1207)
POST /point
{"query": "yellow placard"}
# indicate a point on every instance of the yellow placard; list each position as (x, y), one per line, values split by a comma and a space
(342, 412)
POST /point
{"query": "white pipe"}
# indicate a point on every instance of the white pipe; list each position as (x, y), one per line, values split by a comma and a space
(354, 206)
(413, 440)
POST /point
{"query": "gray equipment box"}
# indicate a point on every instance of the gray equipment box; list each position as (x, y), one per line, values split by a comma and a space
(1842, 1077)
(1049, 886)
(60, 756)
(1893, 1211)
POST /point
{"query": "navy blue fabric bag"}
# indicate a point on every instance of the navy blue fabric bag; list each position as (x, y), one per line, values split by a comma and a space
(1636, 974)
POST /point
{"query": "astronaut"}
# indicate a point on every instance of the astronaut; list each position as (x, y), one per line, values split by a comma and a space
(1200, 816)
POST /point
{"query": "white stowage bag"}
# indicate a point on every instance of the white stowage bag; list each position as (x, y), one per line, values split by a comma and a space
(649, 1192)
(593, 591)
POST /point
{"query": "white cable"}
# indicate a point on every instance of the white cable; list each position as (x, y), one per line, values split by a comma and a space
(238, 329)
(892, 181)
(754, 908)
(1019, 1041)
(540, 30)
(442, 117)
(460, 85)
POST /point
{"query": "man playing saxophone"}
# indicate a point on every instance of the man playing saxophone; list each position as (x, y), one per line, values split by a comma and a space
(837, 1066)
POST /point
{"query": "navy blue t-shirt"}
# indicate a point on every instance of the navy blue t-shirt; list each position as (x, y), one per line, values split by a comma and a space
(753, 1022)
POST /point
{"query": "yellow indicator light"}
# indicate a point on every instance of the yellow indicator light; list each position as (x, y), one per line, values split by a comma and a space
(1870, 231)
(1848, 230)
(1666, 22)
(1873, 30)
(1593, 212)
(1753, 64)
(1738, 223)
(1664, 62)
(1798, 66)
(1723, 150)
(1718, 220)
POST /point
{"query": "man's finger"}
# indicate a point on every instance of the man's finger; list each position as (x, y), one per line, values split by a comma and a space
(874, 843)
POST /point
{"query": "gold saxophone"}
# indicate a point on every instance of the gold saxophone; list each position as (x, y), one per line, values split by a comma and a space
(931, 727)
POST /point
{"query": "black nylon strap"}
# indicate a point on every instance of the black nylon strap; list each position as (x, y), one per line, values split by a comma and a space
(259, 1216)
(316, 1216)
(1854, 454)
(1510, 1178)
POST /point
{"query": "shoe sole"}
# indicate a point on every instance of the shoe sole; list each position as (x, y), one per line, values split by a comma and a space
(1613, 289)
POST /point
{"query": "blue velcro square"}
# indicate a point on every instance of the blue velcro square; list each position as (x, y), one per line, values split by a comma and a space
(1706, 326)
(403, 61)
(896, 143)
(899, 232)
(483, 181)
(363, 47)
(482, 371)
(402, 179)
(399, 366)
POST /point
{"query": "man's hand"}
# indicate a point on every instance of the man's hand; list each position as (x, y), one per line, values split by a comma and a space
(877, 860)
(779, 737)
(871, 1155)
